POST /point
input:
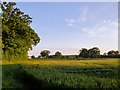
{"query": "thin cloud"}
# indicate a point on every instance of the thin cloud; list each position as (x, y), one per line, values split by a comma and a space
(82, 18)
(105, 29)
(84, 15)
(70, 22)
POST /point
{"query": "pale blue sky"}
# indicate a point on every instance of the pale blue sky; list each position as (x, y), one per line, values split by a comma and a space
(68, 27)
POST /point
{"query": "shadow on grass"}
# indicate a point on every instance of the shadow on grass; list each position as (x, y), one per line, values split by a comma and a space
(28, 82)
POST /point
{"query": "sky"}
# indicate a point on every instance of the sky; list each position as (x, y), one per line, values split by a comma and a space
(68, 27)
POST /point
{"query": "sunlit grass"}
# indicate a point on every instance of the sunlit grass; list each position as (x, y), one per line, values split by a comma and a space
(113, 62)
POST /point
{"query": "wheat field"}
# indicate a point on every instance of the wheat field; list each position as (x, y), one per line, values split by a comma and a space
(61, 73)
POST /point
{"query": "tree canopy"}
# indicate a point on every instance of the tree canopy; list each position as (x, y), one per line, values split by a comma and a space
(58, 54)
(113, 53)
(92, 53)
(45, 53)
(83, 53)
(17, 35)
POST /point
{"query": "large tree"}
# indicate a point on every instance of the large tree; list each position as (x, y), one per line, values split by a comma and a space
(17, 35)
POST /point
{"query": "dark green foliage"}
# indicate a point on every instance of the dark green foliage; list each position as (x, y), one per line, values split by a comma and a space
(113, 53)
(58, 54)
(91, 53)
(84, 53)
(45, 53)
(17, 35)
(63, 57)
(94, 52)
(33, 57)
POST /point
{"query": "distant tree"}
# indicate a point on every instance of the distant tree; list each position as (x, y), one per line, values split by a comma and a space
(113, 53)
(117, 53)
(58, 54)
(39, 56)
(105, 54)
(94, 52)
(45, 53)
(83, 53)
(33, 57)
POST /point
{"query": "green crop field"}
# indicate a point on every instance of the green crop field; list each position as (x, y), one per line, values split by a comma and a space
(61, 74)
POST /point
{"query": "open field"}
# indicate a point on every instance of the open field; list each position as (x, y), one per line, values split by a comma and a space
(61, 74)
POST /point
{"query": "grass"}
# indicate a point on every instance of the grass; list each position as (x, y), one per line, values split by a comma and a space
(61, 74)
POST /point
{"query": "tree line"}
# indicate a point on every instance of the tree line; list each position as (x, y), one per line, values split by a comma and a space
(83, 53)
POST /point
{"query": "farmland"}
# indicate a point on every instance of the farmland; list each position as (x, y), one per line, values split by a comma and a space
(61, 74)
(78, 45)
